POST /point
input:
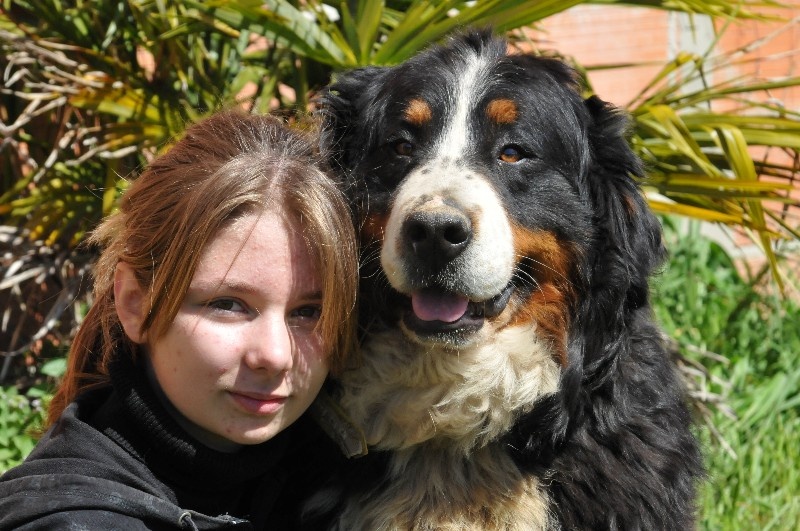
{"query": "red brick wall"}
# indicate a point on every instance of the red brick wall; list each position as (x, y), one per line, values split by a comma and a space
(598, 36)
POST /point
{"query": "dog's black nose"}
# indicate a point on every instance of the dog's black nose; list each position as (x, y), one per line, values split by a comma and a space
(437, 235)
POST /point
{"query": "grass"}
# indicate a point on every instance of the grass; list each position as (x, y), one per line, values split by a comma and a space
(22, 414)
(746, 344)
(743, 346)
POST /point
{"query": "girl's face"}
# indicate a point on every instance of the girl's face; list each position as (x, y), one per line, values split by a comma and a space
(242, 360)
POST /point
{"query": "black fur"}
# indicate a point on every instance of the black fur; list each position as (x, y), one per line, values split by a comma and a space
(614, 443)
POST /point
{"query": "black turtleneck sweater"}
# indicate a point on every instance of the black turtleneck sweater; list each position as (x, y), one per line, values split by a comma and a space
(116, 459)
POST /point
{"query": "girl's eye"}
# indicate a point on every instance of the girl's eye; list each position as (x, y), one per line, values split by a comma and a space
(404, 148)
(511, 154)
(226, 305)
(312, 311)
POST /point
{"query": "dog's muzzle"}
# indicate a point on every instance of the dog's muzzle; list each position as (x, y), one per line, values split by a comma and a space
(434, 240)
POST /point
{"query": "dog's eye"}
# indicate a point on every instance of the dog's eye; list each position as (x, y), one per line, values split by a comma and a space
(511, 154)
(404, 148)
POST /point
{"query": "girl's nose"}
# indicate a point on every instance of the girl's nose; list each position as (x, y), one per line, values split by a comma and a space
(270, 346)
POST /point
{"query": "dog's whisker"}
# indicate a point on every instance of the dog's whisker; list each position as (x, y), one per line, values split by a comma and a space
(558, 273)
(528, 280)
(433, 420)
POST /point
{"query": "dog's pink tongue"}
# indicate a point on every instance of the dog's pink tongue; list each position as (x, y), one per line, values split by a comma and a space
(430, 305)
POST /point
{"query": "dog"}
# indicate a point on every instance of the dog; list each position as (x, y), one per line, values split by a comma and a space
(511, 375)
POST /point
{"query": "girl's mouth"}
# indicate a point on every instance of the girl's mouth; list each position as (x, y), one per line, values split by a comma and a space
(258, 404)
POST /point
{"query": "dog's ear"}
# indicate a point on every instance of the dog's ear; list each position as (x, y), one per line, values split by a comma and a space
(343, 107)
(628, 245)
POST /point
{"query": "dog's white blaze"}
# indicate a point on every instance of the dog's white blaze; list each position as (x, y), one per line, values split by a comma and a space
(453, 143)
(486, 266)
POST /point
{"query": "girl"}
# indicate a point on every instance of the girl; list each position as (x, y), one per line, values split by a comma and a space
(223, 295)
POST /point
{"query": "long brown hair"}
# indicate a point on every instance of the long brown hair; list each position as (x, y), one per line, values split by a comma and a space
(223, 166)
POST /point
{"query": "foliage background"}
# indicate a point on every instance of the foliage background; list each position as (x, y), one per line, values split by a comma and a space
(93, 89)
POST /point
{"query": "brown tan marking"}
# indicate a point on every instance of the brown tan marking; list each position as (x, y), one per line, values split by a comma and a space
(548, 305)
(630, 205)
(418, 112)
(502, 111)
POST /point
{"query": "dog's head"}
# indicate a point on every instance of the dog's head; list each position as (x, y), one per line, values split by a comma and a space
(489, 193)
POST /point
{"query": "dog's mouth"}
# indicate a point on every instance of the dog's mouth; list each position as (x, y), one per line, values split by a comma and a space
(435, 310)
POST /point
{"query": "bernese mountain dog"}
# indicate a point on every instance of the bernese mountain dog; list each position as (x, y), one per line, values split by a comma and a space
(511, 375)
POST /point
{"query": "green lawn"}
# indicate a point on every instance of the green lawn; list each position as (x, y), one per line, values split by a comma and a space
(754, 461)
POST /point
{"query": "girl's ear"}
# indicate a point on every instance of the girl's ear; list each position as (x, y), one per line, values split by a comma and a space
(129, 302)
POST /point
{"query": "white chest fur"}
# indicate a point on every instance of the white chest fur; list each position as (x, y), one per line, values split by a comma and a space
(441, 412)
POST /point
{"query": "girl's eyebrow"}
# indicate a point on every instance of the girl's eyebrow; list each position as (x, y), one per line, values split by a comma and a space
(313, 295)
(227, 285)
(244, 288)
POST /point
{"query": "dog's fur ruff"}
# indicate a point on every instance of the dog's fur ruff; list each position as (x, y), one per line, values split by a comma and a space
(551, 402)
